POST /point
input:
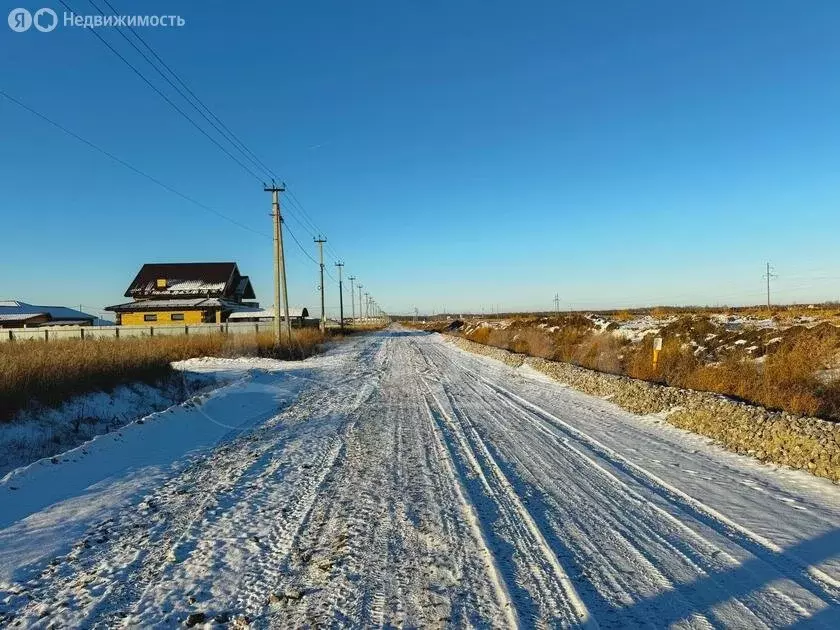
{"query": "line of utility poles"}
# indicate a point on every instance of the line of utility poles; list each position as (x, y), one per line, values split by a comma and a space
(352, 298)
(320, 241)
(281, 294)
(279, 263)
(340, 295)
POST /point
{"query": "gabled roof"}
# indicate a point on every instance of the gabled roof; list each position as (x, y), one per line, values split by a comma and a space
(244, 290)
(216, 279)
(15, 309)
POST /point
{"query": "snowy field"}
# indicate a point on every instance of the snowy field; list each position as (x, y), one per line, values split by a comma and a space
(398, 481)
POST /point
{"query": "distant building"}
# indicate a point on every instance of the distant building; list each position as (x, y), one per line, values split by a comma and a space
(185, 293)
(16, 314)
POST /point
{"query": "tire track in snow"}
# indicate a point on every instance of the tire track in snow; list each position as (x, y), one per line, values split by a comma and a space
(756, 544)
(471, 516)
(624, 564)
(389, 545)
(563, 602)
(810, 581)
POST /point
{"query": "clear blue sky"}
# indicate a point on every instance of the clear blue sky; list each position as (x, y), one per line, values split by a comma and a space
(467, 154)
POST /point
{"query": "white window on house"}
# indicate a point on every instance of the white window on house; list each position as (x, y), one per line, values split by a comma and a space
(177, 317)
(150, 317)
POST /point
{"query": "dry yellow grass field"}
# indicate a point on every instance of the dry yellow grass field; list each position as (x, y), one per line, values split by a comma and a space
(49, 373)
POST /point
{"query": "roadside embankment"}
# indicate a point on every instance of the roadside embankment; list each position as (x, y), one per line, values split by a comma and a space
(779, 437)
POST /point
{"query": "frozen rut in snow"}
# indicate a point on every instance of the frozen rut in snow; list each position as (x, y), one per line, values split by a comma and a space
(406, 483)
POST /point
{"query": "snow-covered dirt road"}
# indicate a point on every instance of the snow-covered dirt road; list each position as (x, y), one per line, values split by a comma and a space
(398, 481)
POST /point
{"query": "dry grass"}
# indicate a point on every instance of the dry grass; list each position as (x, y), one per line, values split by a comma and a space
(788, 378)
(48, 373)
(623, 316)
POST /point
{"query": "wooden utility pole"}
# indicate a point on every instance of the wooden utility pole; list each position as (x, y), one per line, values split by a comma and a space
(769, 274)
(359, 287)
(321, 240)
(340, 295)
(279, 263)
(367, 305)
(352, 299)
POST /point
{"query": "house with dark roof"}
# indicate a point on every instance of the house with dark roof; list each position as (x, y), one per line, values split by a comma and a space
(17, 314)
(185, 293)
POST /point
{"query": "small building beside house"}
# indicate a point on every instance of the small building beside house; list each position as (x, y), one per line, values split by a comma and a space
(166, 294)
(17, 314)
(298, 317)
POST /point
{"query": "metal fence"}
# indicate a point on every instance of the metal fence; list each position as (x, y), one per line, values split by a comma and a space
(56, 333)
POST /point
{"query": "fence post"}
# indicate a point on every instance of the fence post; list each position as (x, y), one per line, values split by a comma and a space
(82, 334)
(46, 335)
(11, 335)
(116, 333)
(186, 329)
(151, 331)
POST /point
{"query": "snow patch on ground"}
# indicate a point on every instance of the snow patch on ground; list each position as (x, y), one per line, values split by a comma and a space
(45, 502)
(39, 433)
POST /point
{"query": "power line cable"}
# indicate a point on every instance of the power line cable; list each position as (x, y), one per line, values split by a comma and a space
(296, 203)
(167, 99)
(129, 166)
(302, 248)
(153, 179)
(220, 126)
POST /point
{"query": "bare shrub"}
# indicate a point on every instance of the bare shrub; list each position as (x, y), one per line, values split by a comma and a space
(500, 339)
(480, 334)
(539, 342)
(599, 352)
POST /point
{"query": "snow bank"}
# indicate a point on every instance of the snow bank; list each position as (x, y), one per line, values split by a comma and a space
(38, 433)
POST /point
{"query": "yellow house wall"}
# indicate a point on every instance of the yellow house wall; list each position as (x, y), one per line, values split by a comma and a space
(163, 318)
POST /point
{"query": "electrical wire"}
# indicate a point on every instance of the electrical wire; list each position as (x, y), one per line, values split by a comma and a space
(196, 103)
(302, 248)
(154, 180)
(218, 125)
(167, 99)
(129, 166)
